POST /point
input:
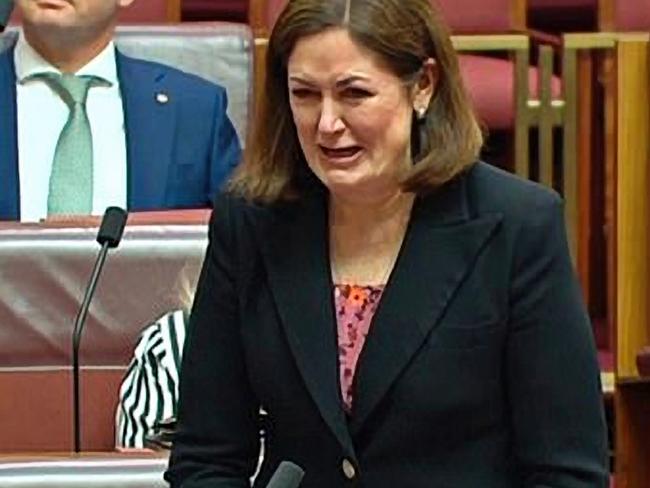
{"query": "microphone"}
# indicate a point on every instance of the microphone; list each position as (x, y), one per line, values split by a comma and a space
(288, 475)
(109, 235)
(6, 7)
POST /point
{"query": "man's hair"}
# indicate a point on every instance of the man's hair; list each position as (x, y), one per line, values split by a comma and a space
(403, 34)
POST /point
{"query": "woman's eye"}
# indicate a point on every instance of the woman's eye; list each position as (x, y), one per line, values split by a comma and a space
(357, 93)
(302, 92)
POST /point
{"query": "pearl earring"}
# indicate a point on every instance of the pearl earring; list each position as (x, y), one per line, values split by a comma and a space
(421, 112)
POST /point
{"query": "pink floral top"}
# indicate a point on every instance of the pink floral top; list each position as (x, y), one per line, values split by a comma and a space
(355, 307)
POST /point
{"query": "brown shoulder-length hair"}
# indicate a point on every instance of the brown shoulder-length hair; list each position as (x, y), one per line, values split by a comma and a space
(403, 33)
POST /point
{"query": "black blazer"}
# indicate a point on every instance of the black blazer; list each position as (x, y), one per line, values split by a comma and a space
(479, 369)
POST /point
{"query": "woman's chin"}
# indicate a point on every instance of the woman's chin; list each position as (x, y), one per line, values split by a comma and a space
(351, 189)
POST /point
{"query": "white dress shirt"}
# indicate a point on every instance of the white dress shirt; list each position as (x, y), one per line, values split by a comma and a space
(41, 115)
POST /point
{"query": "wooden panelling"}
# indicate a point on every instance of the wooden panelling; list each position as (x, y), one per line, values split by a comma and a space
(632, 214)
(632, 406)
(632, 395)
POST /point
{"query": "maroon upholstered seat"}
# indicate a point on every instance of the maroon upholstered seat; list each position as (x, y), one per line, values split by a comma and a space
(631, 15)
(273, 9)
(490, 82)
(473, 16)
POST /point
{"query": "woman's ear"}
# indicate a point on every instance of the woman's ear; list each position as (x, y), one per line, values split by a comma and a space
(425, 86)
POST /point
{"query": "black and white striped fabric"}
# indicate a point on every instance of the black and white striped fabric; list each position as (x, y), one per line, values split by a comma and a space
(149, 391)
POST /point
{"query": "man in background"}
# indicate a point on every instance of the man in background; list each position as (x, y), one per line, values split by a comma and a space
(83, 127)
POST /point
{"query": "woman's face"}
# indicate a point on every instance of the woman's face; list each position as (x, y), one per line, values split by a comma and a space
(352, 114)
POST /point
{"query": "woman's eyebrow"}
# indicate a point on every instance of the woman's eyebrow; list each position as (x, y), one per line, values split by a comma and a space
(349, 80)
(298, 79)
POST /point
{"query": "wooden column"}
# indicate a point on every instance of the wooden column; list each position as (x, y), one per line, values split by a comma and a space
(632, 396)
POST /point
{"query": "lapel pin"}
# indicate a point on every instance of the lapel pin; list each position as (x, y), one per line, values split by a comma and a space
(162, 98)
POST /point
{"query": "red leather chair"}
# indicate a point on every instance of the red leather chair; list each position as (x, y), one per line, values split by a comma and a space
(624, 15)
(271, 12)
(490, 79)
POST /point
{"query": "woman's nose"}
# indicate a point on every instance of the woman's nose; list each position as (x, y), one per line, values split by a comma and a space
(330, 120)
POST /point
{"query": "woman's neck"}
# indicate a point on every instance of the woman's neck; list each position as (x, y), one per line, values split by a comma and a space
(365, 238)
(369, 214)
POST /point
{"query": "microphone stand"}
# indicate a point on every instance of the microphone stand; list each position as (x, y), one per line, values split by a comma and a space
(76, 340)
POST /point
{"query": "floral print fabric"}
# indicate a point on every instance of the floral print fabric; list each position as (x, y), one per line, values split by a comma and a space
(355, 307)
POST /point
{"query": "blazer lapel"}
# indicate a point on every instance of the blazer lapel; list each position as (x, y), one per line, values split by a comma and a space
(149, 122)
(438, 251)
(297, 259)
(9, 183)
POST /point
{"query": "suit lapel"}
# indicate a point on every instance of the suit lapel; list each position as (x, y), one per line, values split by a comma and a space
(438, 252)
(9, 183)
(297, 259)
(149, 123)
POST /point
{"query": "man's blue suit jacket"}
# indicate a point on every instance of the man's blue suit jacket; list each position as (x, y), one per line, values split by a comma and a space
(178, 153)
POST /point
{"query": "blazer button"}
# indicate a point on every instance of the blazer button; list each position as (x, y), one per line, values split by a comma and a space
(348, 469)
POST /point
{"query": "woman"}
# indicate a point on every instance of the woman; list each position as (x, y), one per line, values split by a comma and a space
(406, 316)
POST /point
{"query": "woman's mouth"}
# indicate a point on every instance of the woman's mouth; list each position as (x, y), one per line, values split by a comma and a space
(341, 155)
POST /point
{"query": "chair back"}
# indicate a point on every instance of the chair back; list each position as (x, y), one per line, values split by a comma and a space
(43, 272)
(273, 10)
(631, 15)
(463, 16)
(262, 15)
(484, 16)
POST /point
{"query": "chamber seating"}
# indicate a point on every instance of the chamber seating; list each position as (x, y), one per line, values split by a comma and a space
(43, 273)
(624, 15)
(123, 471)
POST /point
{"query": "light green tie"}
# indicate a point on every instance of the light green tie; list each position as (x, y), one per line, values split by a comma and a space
(71, 179)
